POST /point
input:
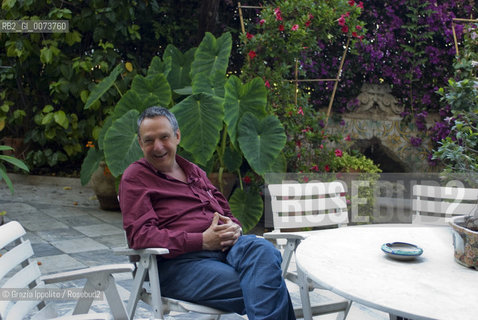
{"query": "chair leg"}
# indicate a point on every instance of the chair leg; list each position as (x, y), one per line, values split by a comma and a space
(304, 294)
(155, 288)
(114, 300)
(138, 281)
(289, 250)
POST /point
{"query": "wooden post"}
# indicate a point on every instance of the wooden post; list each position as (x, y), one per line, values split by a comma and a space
(337, 79)
(296, 80)
(241, 19)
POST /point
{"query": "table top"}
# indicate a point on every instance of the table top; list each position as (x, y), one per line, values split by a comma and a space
(349, 261)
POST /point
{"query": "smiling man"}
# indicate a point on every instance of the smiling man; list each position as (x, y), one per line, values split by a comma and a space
(169, 202)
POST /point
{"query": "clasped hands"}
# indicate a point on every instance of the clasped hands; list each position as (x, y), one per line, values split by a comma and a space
(220, 236)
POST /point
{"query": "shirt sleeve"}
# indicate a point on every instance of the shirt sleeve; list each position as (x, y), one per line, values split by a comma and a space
(141, 222)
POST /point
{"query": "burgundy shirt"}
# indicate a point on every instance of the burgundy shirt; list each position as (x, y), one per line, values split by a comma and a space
(161, 211)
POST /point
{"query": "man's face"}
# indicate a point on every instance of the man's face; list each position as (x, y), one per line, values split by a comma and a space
(159, 143)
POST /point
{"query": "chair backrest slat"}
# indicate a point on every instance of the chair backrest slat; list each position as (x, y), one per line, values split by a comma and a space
(23, 273)
(14, 257)
(437, 205)
(305, 205)
(20, 280)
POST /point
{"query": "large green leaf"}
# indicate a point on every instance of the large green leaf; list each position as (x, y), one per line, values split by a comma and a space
(212, 84)
(105, 84)
(200, 118)
(104, 128)
(261, 140)
(14, 161)
(212, 55)
(250, 97)
(90, 164)
(157, 66)
(180, 66)
(247, 206)
(4, 176)
(131, 100)
(121, 143)
(156, 85)
(232, 159)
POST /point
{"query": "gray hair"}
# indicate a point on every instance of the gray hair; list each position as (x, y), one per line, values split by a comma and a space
(153, 112)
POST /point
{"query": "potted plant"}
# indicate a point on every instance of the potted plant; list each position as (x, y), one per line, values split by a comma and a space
(13, 161)
(459, 150)
(225, 125)
(3, 171)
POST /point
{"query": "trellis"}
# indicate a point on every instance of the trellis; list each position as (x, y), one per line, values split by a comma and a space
(453, 29)
(296, 79)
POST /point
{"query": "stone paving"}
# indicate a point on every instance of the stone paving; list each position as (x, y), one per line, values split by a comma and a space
(68, 231)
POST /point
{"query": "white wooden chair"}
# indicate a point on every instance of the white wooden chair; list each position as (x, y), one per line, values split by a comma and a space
(437, 205)
(146, 287)
(306, 206)
(18, 271)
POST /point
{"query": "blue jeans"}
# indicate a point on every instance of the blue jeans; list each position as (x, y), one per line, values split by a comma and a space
(246, 279)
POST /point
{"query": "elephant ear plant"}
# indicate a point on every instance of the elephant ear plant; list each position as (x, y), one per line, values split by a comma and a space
(13, 161)
(224, 123)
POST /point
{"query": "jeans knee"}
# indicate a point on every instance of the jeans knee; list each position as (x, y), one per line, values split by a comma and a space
(261, 248)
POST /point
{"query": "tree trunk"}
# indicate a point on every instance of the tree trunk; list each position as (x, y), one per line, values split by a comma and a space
(208, 17)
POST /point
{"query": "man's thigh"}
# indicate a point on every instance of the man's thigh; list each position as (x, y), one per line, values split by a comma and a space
(202, 277)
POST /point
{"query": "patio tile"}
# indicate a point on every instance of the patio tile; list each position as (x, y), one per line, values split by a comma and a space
(58, 263)
(98, 257)
(78, 245)
(113, 240)
(98, 230)
(60, 212)
(17, 210)
(42, 223)
(45, 249)
(112, 217)
(60, 234)
(81, 220)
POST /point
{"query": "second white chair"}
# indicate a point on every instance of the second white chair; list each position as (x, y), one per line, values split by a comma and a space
(306, 206)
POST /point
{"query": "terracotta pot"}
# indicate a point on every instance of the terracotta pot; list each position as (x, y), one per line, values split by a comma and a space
(228, 182)
(465, 242)
(104, 186)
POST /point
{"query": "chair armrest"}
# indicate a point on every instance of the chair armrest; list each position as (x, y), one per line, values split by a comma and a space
(284, 235)
(85, 273)
(132, 252)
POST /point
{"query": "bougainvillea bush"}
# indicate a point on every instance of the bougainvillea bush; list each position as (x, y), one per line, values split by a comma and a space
(286, 34)
(407, 44)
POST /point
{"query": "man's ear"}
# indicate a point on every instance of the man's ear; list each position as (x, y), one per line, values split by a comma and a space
(140, 141)
(178, 135)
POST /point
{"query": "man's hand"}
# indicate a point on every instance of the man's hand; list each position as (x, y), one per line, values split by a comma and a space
(221, 236)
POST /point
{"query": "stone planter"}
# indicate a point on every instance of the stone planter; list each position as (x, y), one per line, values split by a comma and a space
(465, 242)
(104, 186)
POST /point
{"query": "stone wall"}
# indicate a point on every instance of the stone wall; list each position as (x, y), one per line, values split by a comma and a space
(375, 130)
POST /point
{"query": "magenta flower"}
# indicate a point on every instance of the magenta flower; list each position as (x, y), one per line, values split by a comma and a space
(262, 21)
(281, 27)
(338, 153)
(295, 27)
(252, 54)
(249, 35)
(341, 20)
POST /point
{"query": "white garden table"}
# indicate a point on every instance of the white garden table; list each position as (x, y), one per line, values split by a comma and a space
(349, 261)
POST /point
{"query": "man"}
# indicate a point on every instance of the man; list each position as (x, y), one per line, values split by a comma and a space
(168, 202)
